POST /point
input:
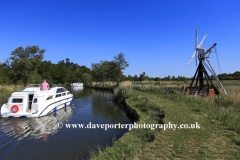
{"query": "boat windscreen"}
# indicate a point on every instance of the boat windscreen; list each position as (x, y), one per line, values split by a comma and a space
(52, 85)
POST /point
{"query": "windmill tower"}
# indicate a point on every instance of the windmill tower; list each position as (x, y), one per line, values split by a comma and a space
(200, 88)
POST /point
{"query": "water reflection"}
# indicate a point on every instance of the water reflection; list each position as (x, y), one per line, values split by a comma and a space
(77, 90)
(106, 108)
(36, 128)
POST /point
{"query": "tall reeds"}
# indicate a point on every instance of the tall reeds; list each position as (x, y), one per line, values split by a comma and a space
(6, 90)
(125, 90)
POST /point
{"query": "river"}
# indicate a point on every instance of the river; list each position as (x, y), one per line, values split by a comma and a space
(41, 138)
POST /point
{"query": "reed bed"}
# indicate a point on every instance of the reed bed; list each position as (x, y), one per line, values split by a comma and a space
(106, 83)
(126, 83)
(159, 87)
(122, 92)
(6, 90)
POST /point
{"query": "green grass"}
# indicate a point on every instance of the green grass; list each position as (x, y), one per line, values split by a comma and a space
(222, 108)
(131, 144)
(212, 141)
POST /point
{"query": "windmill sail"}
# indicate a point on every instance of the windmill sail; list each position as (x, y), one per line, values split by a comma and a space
(195, 53)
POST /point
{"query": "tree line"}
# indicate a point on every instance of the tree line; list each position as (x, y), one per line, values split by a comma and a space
(230, 76)
(110, 70)
(144, 77)
(25, 66)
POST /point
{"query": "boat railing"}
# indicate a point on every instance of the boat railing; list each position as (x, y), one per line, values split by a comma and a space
(33, 85)
(36, 87)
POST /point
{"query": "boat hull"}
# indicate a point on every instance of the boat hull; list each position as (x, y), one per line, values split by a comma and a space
(77, 84)
(46, 109)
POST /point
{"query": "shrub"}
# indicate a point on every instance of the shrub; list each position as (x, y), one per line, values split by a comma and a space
(157, 83)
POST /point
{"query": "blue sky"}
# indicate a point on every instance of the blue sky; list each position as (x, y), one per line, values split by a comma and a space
(156, 36)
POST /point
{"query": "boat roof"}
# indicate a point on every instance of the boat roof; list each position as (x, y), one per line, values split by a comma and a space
(35, 89)
(39, 85)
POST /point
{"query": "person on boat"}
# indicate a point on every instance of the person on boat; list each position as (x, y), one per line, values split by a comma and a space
(44, 85)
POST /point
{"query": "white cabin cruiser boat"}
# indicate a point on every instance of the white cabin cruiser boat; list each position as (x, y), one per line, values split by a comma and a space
(34, 102)
(77, 84)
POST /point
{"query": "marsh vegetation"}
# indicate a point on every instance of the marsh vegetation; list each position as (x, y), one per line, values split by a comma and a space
(219, 136)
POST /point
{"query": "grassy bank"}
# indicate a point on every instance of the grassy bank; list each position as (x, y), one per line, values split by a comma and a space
(223, 108)
(218, 137)
(171, 82)
(131, 144)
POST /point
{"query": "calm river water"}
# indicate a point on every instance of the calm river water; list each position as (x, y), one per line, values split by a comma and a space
(40, 138)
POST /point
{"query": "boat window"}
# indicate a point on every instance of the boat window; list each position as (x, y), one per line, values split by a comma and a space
(35, 100)
(63, 94)
(58, 95)
(59, 90)
(52, 85)
(68, 92)
(50, 97)
(64, 90)
(17, 100)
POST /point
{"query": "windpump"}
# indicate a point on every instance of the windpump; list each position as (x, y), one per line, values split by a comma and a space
(200, 88)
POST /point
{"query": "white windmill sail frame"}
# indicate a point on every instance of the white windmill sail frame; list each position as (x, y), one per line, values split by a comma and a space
(196, 49)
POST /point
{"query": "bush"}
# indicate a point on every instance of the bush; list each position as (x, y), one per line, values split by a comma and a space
(157, 83)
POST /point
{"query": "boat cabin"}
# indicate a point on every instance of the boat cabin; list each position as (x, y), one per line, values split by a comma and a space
(29, 99)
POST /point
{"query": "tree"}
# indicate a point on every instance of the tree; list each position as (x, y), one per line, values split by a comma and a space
(120, 65)
(146, 78)
(26, 66)
(114, 72)
(100, 71)
(6, 72)
(64, 72)
(157, 79)
(86, 79)
(120, 61)
(141, 76)
(69, 72)
(45, 70)
(123, 78)
(169, 78)
(104, 71)
(130, 78)
(26, 61)
(95, 71)
(135, 78)
(185, 79)
(35, 78)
